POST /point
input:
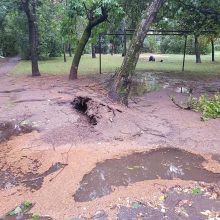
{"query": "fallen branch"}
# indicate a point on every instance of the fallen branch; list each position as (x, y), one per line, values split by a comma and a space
(179, 106)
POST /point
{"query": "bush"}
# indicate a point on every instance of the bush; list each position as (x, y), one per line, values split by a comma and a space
(217, 47)
(208, 106)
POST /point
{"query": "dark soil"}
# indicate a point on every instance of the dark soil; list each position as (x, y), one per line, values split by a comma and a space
(10, 129)
(33, 181)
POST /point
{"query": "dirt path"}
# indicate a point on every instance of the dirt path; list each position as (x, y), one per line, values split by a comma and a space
(7, 65)
(49, 165)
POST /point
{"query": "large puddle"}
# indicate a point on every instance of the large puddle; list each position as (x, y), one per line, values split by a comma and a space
(144, 83)
(164, 163)
(149, 82)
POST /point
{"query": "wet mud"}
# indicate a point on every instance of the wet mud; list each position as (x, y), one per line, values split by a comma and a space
(177, 205)
(216, 157)
(164, 163)
(10, 129)
(33, 181)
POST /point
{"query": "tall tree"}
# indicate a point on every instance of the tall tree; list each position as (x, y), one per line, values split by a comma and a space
(29, 7)
(123, 78)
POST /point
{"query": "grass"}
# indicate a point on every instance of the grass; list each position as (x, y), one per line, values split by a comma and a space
(171, 63)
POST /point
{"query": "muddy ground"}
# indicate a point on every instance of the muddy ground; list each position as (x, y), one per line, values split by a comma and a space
(151, 160)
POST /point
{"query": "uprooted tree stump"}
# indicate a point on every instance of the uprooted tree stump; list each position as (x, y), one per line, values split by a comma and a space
(95, 110)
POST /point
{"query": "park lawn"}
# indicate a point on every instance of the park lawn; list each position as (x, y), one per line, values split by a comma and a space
(171, 63)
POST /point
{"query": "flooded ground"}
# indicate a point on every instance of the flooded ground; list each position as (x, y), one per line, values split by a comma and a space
(72, 167)
(149, 82)
(167, 163)
(176, 205)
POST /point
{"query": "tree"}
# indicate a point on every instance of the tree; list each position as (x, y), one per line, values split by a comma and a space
(123, 77)
(93, 20)
(29, 7)
(194, 16)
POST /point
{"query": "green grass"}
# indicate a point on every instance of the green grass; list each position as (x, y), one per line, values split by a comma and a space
(172, 63)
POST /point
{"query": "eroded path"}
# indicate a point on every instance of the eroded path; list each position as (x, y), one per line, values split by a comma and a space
(149, 161)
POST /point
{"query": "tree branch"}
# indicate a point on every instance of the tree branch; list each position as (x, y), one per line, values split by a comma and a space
(101, 18)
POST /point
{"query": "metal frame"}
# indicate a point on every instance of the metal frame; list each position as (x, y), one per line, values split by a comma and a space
(129, 32)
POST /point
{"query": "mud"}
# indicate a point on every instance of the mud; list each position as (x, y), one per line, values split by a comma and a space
(177, 205)
(32, 181)
(164, 163)
(216, 157)
(65, 135)
(9, 129)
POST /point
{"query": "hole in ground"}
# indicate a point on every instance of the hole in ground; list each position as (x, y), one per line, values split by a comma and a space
(82, 105)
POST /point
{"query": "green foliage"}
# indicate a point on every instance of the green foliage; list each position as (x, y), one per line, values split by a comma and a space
(151, 45)
(208, 106)
(196, 191)
(217, 47)
(175, 45)
(35, 216)
(24, 207)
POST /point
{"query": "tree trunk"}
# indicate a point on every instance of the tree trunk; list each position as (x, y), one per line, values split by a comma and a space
(33, 34)
(197, 50)
(33, 38)
(213, 50)
(70, 50)
(78, 53)
(122, 81)
(93, 22)
(93, 51)
(64, 53)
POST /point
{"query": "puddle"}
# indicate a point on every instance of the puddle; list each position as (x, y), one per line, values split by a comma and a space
(164, 163)
(145, 83)
(33, 181)
(149, 82)
(177, 205)
(9, 129)
(183, 90)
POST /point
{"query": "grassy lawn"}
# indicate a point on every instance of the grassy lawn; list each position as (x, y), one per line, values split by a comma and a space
(171, 63)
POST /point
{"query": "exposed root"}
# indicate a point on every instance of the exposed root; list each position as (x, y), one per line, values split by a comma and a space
(95, 110)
